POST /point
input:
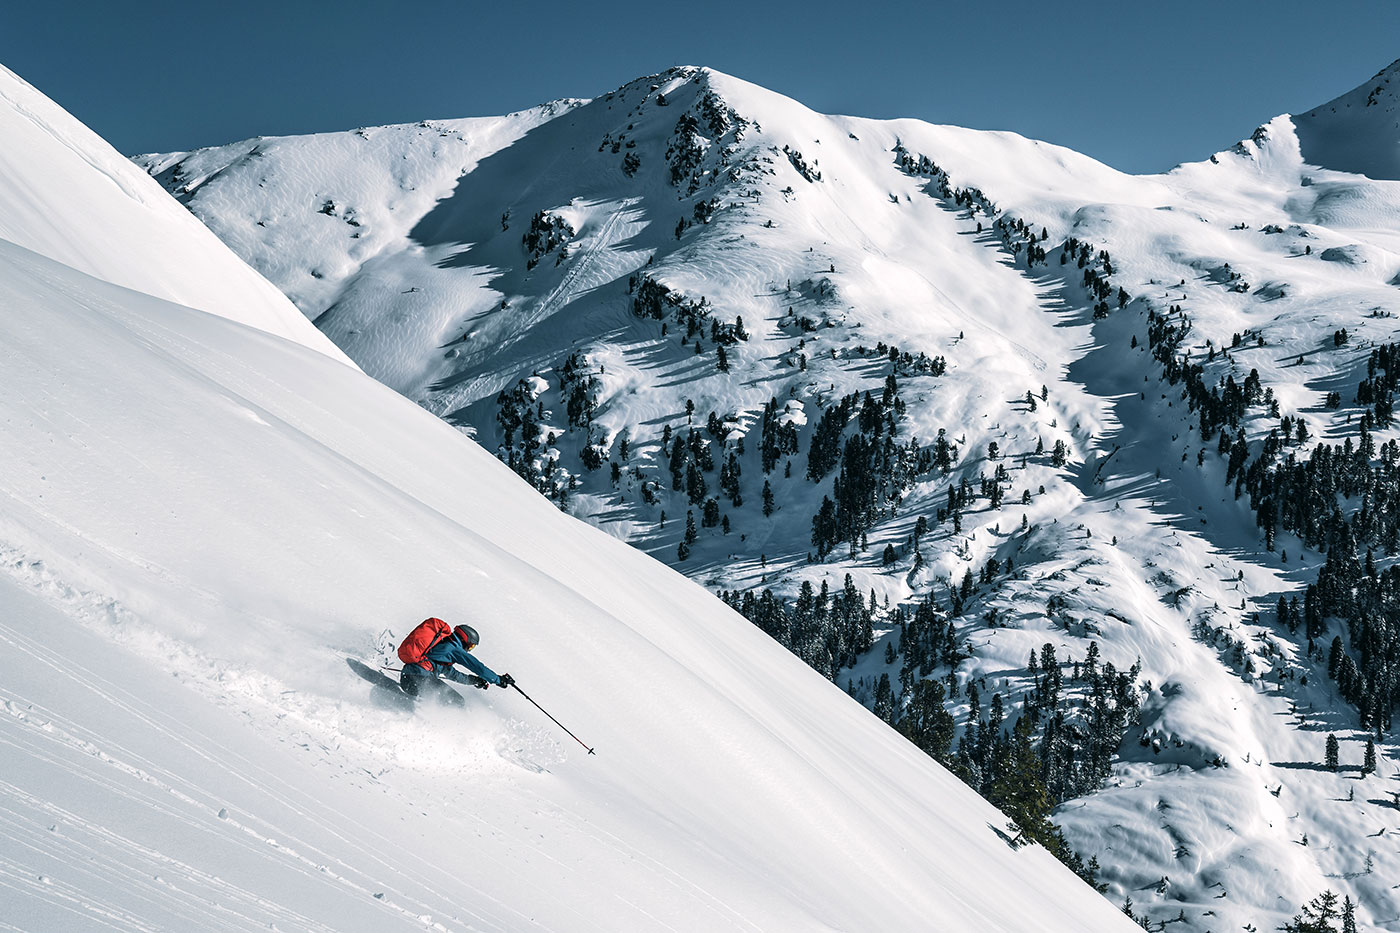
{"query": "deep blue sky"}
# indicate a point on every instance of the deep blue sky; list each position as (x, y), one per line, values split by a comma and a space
(1140, 86)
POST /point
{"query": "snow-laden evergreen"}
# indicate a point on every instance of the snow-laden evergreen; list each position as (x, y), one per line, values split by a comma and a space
(1084, 388)
(201, 519)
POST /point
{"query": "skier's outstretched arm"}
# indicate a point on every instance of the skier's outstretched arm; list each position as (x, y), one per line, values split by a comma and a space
(469, 661)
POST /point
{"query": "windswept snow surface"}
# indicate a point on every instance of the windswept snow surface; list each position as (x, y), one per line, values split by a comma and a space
(832, 235)
(200, 521)
(67, 194)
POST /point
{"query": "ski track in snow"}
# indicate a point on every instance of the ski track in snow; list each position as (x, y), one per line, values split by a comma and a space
(114, 770)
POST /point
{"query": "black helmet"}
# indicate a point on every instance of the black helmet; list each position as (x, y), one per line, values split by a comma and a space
(470, 639)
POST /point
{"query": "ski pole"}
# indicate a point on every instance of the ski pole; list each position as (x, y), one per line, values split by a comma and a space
(551, 718)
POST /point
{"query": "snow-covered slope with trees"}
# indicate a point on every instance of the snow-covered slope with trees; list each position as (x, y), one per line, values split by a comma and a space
(960, 418)
(201, 519)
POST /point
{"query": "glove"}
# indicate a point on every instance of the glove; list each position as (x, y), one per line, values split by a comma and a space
(507, 680)
(478, 682)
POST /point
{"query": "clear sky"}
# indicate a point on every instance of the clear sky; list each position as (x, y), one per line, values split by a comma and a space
(1141, 86)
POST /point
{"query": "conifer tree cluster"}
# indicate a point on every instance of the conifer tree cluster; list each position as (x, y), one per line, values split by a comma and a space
(525, 441)
(1026, 755)
(703, 143)
(777, 437)
(1098, 274)
(580, 389)
(684, 152)
(1016, 235)
(1342, 500)
(651, 299)
(1073, 721)
(1310, 498)
(875, 469)
(970, 198)
(547, 233)
(905, 363)
(828, 631)
(1323, 915)
(806, 170)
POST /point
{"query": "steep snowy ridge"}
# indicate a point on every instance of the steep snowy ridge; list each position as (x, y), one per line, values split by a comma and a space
(371, 157)
(1359, 131)
(67, 194)
(590, 271)
(200, 519)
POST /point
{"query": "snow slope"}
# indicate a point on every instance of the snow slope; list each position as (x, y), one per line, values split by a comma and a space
(67, 194)
(200, 520)
(828, 242)
(1358, 132)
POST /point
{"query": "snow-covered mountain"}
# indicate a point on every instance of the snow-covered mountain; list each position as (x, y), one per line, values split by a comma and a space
(1057, 463)
(204, 513)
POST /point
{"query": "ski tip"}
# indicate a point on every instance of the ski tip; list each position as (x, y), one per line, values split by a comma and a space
(590, 751)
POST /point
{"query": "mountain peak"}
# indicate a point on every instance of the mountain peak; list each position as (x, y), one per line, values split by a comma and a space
(1359, 131)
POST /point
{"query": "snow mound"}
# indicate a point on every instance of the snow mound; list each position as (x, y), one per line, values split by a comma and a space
(1352, 254)
(1171, 728)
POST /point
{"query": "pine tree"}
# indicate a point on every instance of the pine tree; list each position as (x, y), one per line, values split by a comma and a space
(695, 485)
(1368, 764)
(1316, 916)
(1019, 791)
(677, 464)
(824, 529)
(767, 499)
(884, 699)
(927, 723)
(1330, 761)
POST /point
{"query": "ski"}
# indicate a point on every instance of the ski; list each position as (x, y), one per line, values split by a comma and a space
(386, 690)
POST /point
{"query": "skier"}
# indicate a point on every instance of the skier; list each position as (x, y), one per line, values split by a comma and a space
(425, 677)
